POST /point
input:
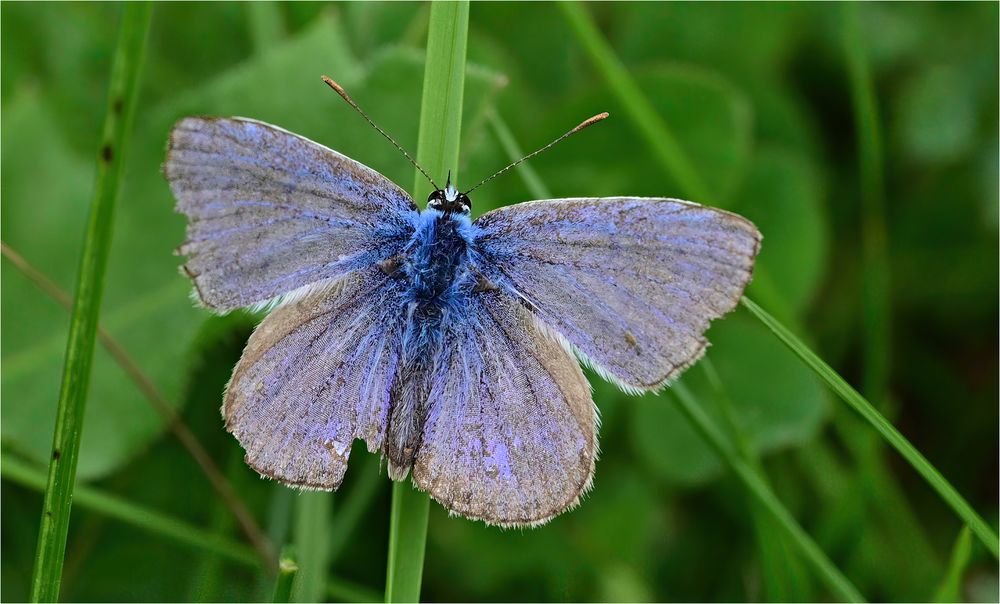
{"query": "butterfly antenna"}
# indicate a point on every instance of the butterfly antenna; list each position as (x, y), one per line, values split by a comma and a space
(343, 94)
(587, 122)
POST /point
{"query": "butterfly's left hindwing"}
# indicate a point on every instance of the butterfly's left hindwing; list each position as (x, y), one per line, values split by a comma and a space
(511, 433)
(316, 375)
(270, 212)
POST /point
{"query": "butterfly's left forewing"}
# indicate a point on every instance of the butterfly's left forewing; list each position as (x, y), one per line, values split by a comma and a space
(510, 436)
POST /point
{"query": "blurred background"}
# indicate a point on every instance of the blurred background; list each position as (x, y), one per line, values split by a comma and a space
(759, 99)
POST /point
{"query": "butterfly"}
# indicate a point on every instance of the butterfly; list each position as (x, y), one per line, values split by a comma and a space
(450, 346)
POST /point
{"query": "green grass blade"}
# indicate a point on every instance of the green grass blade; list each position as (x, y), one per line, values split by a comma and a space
(782, 573)
(918, 556)
(352, 505)
(138, 516)
(888, 432)
(266, 24)
(407, 542)
(437, 152)
(313, 510)
(86, 307)
(441, 103)
(179, 531)
(649, 125)
(752, 480)
(534, 183)
(287, 569)
(875, 254)
(950, 589)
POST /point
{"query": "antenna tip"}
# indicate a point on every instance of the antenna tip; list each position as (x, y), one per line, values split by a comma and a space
(595, 119)
(590, 122)
(329, 82)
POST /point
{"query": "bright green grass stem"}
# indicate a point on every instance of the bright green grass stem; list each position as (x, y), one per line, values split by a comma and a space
(87, 304)
(888, 432)
(437, 152)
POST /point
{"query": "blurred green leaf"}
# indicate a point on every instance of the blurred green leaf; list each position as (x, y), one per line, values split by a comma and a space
(937, 114)
(710, 119)
(772, 413)
(783, 196)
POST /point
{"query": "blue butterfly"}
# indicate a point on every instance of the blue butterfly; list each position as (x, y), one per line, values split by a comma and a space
(450, 346)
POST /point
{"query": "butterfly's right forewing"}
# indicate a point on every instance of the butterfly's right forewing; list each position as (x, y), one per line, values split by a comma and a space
(270, 212)
(632, 283)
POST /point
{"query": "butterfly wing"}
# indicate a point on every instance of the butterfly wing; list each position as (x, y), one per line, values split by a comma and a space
(270, 211)
(632, 283)
(315, 375)
(511, 433)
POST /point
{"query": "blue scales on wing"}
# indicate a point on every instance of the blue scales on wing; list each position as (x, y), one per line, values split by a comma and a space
(315, 375)
(270, 212)
(273, 216)
(631, 283)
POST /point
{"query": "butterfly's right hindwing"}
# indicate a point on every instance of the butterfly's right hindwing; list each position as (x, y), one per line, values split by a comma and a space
(511, 431)
(270, 212)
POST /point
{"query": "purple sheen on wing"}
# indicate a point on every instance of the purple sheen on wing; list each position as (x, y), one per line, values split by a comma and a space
(315, 376)
(632, 283)
(270, 212)
(510, 436)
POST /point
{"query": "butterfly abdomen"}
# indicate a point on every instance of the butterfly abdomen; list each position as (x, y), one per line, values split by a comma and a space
(436, 268)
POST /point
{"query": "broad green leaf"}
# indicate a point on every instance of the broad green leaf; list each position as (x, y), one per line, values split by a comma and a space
(778, 403)
(782, 195)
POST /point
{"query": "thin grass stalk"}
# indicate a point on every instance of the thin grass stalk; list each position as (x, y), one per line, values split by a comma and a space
(57, 505)
(876, 286)
(875, 265)
(649, 125)
(164, 525)
(534, 183)
(139, 516)
(353, 504)
(287, 568)
(840, 585)
(950, 589)
(780, 569)
(888, 432)
(437, 152)
(266, 24)
(313, 510)
(174, 421)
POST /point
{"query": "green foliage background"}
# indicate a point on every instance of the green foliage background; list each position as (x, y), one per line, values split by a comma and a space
(759, 100)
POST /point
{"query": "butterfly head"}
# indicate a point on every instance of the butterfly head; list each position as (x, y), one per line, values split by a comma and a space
(449, 200)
